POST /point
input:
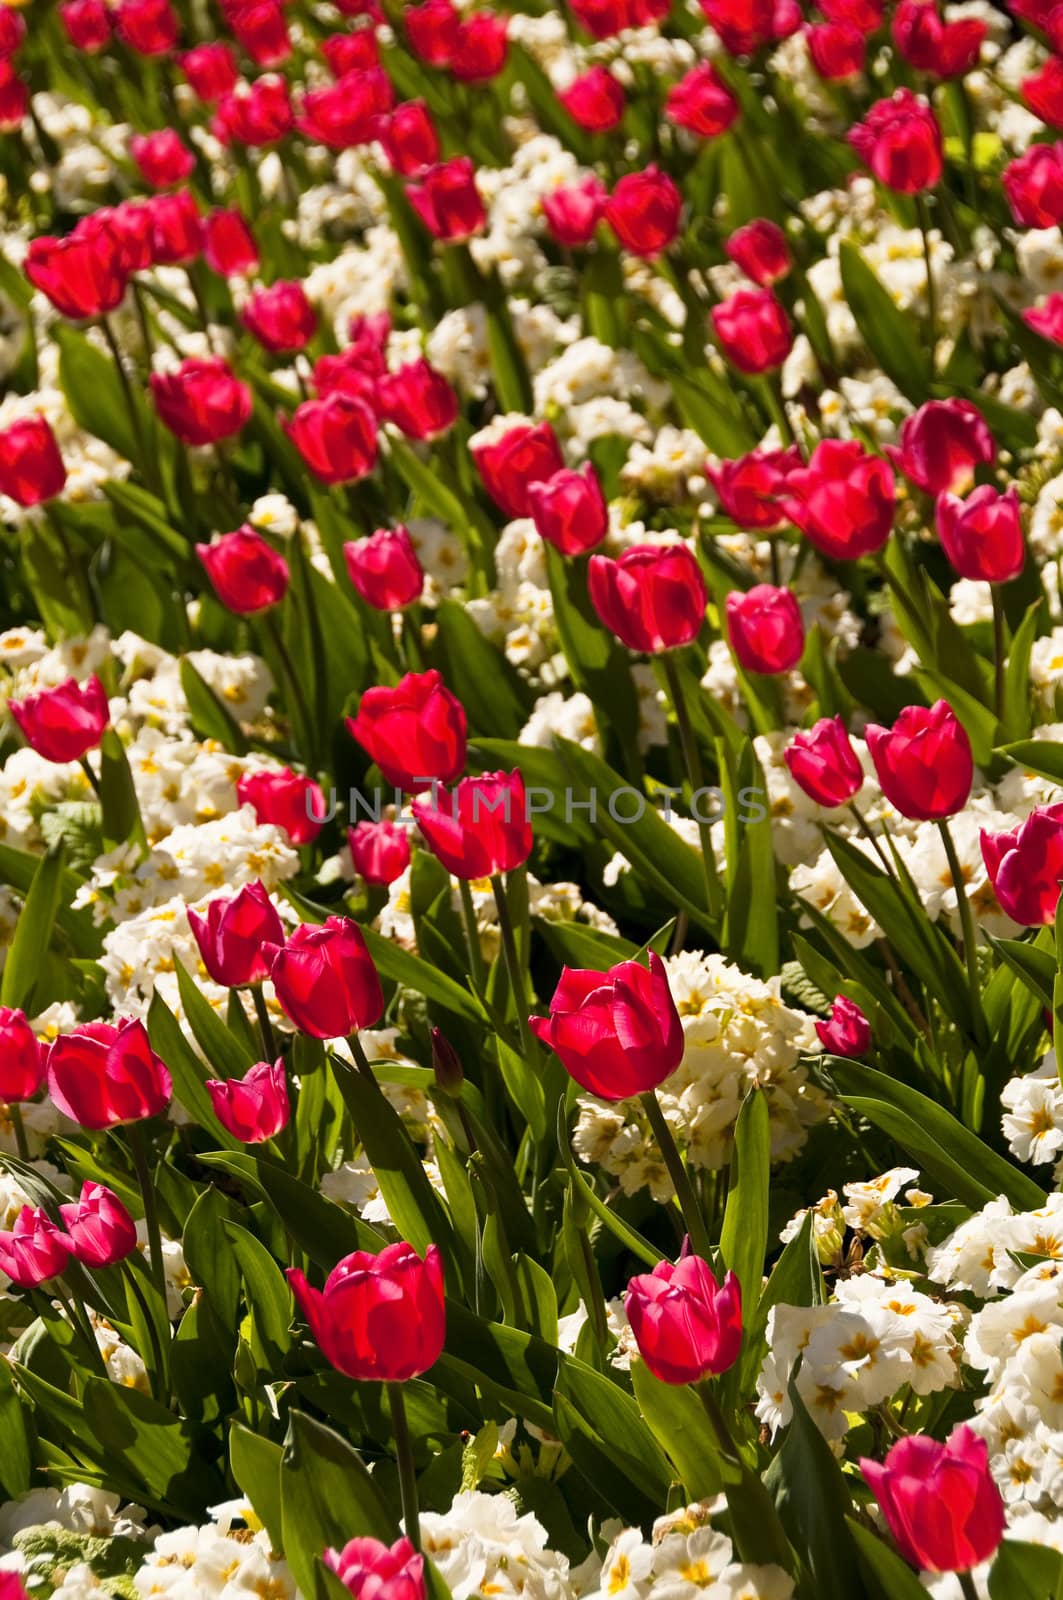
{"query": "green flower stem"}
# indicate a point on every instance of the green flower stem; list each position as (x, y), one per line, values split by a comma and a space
(407, 1472)
(1000, 650)
(265, 1026)
(139, 1151)
(514, 969)
(692, 762)
(923, 213)
(269, 623)
(361, 1060)
(872, 838)
(472, 938)
(700, 1242)
(970, 937)
(20, 1131)
(967, 1587)
(79, 1321)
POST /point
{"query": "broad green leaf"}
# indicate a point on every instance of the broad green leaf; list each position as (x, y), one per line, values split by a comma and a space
(744, 1238)
(327, 1497)
(209, 716)
(1042, 756)
(1026, 1572)
(33, 932)
(885, 329)
(256, 1466)
(599, 665)
(888, 1574)
(479, 674)
(225, 1054)
(675, 1416)
(813, 1503)
(188, 1072)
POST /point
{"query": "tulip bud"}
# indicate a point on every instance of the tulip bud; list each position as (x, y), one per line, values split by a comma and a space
(617, 1033)
(982, 535)
(924, 762)
(900, 141)
(325, 979)
(163, 157)
(511, 458)
(745, 26)
(262, 33)
(1025, 866)
(81, 274)
(843, 501)
(569, 510)
(22, 1059)
(837, 50)
(228, 245)
(687, 1325)
(202, 401)
(939, 1500)
(258, 116)
(100, 1075)
(418, 400)
(150, 27)
(415, 732)
(652, 597)
(87, 24)
(480, 830)
(446, 1064)
(35, 1251)
(100, 1229)
(287, 799)
(930, 44)
(380, 851)
(760, 251)
(375, 1571)
(753, 330)
(1033, 186)
(255, 1107)
(336, 437)
(281, 317)
(384, 569)
(232, 933)
(409, 138)
(211, 71)
(765, 628)
(1043, 92)
(351, 52)
(702, 103)
(432, 31)
(63, 723)
(824, 764)
(246, 573)
(846, 1032)
(594, 100)
(447, 200)
(572, 213)
(941, 444)
(479, 50)
(31, 468)
(379, 1318)
(347, 113)
(751, 487)
(176, 229)
(644, 210)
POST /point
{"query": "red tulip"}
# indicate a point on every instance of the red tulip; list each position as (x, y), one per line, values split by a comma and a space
(14, 98)
(202, 401)
(941, 445)
(478, 53)
(573, 213)
(760, 251)
(12, 31)
(351, 52)
(1025, 866)
(255, 114)
(652, 597)
(280, 317)
(82, 274)
(262, 33)
(229, 245)
(1033, 186)
(418, 400)
(336, 437)
(211, 71)
(947, 49)
(246, 573)
(35, 1251)
(432, 30)
(1043, 92)
(384, 569)
(100, 1230)
(31, 468)
(753, 330)
(594, 100)
(286, 799)
(687, 1325)
(163, 157)
(325, 979)
(176, 229)
(618, 1033)
(982, 535)
(447, 200)
(375, 1571)
(63, 723)
(765, 628)
(150, 27)
(130, 226)
(824, 764)
(603, 18)
(900, 141)
(843, 501)
(701, 102)
(1047, 320)
(255, 1107)
(379, 1318)
(924, 761)
(481, 829)
(752, 486)
(101, 1075)
(87, 24)
(644, 210)
(744, 26)
(415, 732)
(846, 1032)
(569, 509)
(380, 851)
(511, 462)
(347, 113)
(837, 50)
(21, 1058)
(939, 1500)
(232, 932)
(409, 138)
(867, 15)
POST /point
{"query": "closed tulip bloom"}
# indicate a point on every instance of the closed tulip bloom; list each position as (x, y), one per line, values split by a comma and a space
(202, 401)
(617, 1033)
(262, 33)
(211, 70)
(347, 113)
(255, 1107)
(34, 1251)
(351, 52)
(288, 800)
(1043, 92)
(325, 979)
(930, 44)
(432, 30)
(256, 114)
(336, 437)
(82, 274)
(837, 50)
(31, 468)
(384, 569)
(446, 199)
(12, 32)
(924, 762)
(939, 1500)
(900, 141)
(246, 573)
(22, 1058)
(379, 1318)
(231, 933)
(644, 210)
(982, 535)
(652, 597)
(942, 444)
(409, 138)
(572, 212)
(63, 723)
(163, 157)
(753, 330)
(569, 509)
(100, 1230)
(481, 829)
(375, 1571)
(14, 98)
(751, 487)
(1025, 866)
(150, 27)
(380, 851)
(511, 460)
(176, 229)
(418, 400)
(480, 46)
(844, 500)
(867, 15)
(229, 245)
(824, 764)
(100, 1075)
(765, 628)
(1033, 186)
(1047, 319)
(687, 1325)
(702, 103)
(760, 251)
(280, 317)
(415, 732)
(594, 100)
(744, 26)
(846, 1032)
(87, 24)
